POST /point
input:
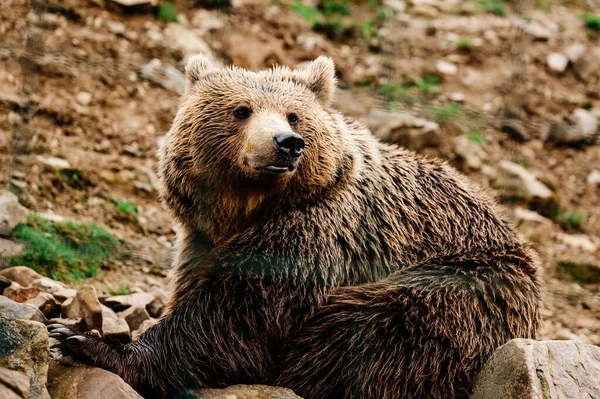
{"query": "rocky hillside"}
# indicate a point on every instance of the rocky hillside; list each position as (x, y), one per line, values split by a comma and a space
(507, 90)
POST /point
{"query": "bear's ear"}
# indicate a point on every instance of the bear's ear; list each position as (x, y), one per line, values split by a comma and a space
(197, 68)
(319, 76)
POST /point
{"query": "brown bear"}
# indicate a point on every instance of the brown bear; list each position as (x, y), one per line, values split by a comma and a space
(314, 257)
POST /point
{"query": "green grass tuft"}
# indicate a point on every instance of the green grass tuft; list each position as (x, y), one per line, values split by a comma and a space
(464, 44)
(127, 208)
(591, 21)
(446, 112)
(571, 220)
(167, 12)
(429, 85)
(122, 290)
(63, 250)
(393, 92)
(496, 7)
(476, 137)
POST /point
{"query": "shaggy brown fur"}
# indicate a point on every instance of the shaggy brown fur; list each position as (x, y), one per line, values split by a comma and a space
(365, 271)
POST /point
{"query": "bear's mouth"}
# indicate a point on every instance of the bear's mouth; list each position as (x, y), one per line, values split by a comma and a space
(279, 169)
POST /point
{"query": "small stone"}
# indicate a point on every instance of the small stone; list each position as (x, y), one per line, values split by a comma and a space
(134, 316)
(11, 213)
(424, 10)
(83, 98)
(587, 67)
(9, 248)
(122, 302)
(575, 51)
(85, 305)
(117, 28)
(246, 392)
(46, 303)
(533, 225)
(114, 328)
(593, 178)
(46, 284)
(20, 294)
(63, 294)
(404, 129)
(13, 384)
(186, 40)
(538, 31)
(53, 163)
(167, 76)
(132, 3)
(557, 62)
(579, 241)
(470, 153)
(446, 67)
(25, 350)
(522, 181)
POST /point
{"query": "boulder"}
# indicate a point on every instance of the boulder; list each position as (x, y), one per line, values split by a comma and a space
(46, 304)
(114, 329)
(20, 294)
(48, 285)
(9, 248)
(22, 275)
(87, 382)
(14, 310)
(13, 385)
(122, 302)
(529, 369)
(404, 129)
(246, 392)
(85, 305)
(11, 213)
(63, 294)
(134, 316)
(143, 327)
(24, 348)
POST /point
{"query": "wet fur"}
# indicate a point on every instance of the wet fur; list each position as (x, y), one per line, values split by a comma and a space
(370, 272)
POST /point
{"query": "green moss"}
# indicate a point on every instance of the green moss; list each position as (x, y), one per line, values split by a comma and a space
(127, 208)
(495, 7)
(571, 220)
(122, 290)
(63, 250)
(584, 272)
(591, 21)
(167, 12)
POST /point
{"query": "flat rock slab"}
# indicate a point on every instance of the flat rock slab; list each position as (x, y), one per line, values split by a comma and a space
(529, 369)
(22, 275)
(87, 382)
(13, 384)
(246, 392)
(14, 310)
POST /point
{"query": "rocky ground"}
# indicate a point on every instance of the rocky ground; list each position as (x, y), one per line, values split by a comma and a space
(507, 91)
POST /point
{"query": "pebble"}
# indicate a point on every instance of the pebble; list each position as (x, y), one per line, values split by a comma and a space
(446, 67)
(557, 62)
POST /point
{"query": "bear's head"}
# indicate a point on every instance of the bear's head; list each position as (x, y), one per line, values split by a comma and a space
(240, 137)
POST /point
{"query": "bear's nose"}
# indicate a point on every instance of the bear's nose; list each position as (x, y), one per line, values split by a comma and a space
(289, 143)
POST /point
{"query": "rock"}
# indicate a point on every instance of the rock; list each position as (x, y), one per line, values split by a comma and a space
(186, 40)
(85, 305)
(122, 302)
(529, 369)
(584, 270)
(580, 127)
(579, 241)
(21, 275)
(4, 283)
(143, 327)
(205, 21)
(134, 316)
(587, 67)
(53, 163)
(246, 392)
(533, 225)
(593, 178)
(9, 248)
(515, 182)
(157, 306)
(424, 10)
(65, 322)
(24, 348)
(515, 129)
(84, 98)
(13, 384)
(131, 3)
(20, 294)
(11, 213)
(538, 31)
(404, 129)
(116, 28)
(14, 310)
(63, 294)
(557, 62)
(87, 382)
(48, 285)
(46, 303)
(575, 51)
(114, 329)
(446, 67)
(470, 153)
(166, 76)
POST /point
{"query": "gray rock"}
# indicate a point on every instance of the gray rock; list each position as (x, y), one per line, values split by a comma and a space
(519, 182)
(13, 384)
(63, 294)
(48, 285)
(179, 37)
(557, 62)
(85, 305)
(53, 163)
(24, 348)
(13, 310)
(166, 76)
(46, 303)
(86, 382)
(122, 302)
(134, 316)
(114, 328)
(132, 3)
(143, 327)
(469, 153)
(529, 369)
(580, 127)
(575, 51)
(9, 248)
(587, 67)
(22, 275)
(593, 178)
(11, 213)
(247, 392)
(533, 225)
(404, 129)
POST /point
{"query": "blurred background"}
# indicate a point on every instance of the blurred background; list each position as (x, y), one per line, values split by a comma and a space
(507, 91)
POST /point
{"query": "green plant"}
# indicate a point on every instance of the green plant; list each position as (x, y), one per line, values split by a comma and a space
(476, 137)
(494, 6)
(428, 85)
(571, 220)
(367, 31)
(525, 163)
(310, 14)
(63, 250)
(542, 5)
(446, 112)
(126, 207)
(167, 12)
(464, 43)
(122, 290)
(591, 21)
(392, 92)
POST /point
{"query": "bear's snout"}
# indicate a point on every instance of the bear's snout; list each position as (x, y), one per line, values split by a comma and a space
(289, 143)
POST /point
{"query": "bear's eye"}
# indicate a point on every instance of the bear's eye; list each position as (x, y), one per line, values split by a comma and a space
(293, 119)
(242, 112)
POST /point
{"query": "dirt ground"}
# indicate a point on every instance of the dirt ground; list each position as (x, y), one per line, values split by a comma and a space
(73, 86)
